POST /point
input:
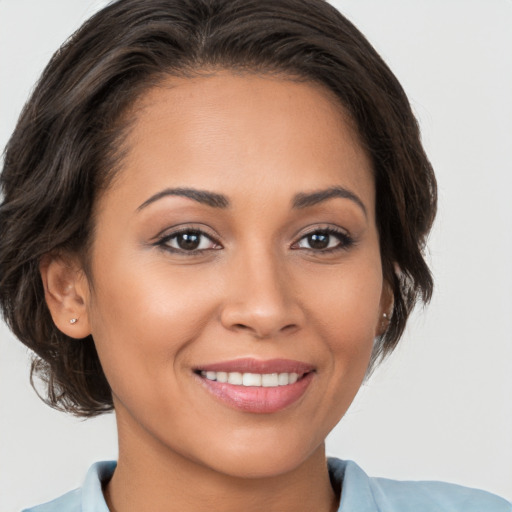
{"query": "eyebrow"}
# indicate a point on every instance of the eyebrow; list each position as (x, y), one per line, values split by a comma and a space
(214, 200)
(303, 200)
(201, 196)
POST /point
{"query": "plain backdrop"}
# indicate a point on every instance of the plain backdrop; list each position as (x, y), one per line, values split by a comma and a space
(441, 407)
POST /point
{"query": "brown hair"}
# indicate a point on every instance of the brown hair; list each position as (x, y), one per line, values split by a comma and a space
(64, 149)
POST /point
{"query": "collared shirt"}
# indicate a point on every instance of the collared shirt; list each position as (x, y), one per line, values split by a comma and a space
(360, 494)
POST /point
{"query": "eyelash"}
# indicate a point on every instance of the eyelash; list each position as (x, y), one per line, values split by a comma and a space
(345, 241)
(164, 241)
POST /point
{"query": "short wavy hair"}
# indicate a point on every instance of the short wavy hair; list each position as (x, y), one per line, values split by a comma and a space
(65, 150)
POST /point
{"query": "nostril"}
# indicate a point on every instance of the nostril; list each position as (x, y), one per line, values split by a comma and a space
(286, 328)
(262, 321)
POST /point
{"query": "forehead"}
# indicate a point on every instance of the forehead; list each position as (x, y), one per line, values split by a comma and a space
(243, 131)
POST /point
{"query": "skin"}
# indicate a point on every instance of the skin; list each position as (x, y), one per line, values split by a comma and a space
(256, 288)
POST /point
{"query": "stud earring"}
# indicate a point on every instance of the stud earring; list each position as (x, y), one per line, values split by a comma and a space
(384, 315)
(73, 321)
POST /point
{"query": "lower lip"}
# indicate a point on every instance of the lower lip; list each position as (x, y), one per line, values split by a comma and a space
(260, 400)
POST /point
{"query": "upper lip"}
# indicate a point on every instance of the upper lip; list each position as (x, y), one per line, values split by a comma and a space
(251, 365)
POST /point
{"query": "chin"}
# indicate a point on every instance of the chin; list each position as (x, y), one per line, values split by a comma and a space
(255, 459)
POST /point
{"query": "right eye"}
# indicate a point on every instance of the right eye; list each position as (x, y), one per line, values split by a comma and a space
(190, 241)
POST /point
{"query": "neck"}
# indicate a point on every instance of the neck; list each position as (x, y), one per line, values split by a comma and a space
(151, 477)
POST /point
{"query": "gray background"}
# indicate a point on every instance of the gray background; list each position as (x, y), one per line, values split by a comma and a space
(441, 407)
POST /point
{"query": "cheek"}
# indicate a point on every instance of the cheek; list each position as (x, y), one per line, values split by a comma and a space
(347, 301)
(345, 310)
(143, 319)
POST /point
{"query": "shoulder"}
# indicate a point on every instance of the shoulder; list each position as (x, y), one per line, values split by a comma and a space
(88, 498)
(436, 496)
(70, 502)
(361, 492)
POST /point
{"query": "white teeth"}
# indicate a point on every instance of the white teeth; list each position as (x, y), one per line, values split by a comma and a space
(251, 379)
(221, 376)
(283, 379)
(235, 378)
(270, 380)
(266, 380)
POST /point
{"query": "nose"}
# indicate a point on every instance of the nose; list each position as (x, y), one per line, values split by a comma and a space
(261, 299)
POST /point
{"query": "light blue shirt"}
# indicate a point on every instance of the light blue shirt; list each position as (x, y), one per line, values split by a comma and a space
(360, 494)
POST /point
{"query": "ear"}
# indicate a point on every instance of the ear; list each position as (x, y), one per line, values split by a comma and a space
(385, 309)
(66, 292)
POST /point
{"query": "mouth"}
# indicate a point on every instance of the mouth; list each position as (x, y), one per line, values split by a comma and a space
(255, 386)
(265, 380)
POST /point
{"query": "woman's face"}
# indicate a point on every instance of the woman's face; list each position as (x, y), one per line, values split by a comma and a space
(239, 244)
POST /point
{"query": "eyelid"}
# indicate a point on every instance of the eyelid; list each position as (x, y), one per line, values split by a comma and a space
(169, 233)
(346, 240)
(313, 228)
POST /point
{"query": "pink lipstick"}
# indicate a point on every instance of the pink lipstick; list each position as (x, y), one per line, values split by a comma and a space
(257, 386)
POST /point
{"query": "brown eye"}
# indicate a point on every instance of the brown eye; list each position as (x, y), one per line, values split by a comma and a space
(318, 240)
(188, 241)
(325, 240)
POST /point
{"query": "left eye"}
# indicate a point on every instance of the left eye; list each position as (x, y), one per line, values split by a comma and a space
(190, 240)
(322, 240)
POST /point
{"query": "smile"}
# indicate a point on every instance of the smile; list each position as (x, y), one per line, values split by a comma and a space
(266, 380)
(254, 386)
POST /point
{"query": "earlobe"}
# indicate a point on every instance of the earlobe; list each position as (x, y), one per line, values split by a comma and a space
(66, 294)
(386, 309)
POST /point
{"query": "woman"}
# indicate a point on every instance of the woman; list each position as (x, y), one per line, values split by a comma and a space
(213, 223)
